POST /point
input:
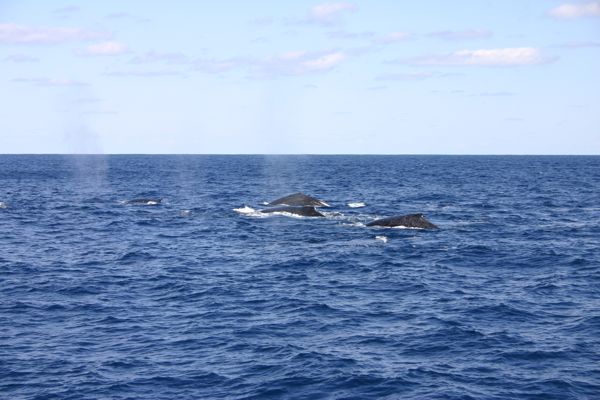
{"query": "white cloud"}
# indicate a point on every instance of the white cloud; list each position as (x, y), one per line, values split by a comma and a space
(514, 56)
(105, 49)
(569, 11)
(325, 62)
(329, 12)
(507, 56)
(393, 37)
(298, 63)
(21, 34)
(292, 55)
(462, 35)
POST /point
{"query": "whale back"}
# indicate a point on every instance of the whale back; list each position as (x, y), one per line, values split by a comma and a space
(305, 211)
(408, 221)
(298, 199)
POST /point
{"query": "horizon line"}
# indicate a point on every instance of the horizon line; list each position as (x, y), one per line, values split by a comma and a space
(307, 154)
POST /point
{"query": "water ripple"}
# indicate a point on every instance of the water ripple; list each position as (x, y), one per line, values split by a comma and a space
(101, 299)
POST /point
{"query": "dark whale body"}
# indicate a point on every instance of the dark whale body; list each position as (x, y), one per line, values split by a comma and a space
(144, 202)
(408, 221)
(298, 199)
(305, 211)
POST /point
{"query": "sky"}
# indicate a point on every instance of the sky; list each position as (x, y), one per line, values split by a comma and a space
(301, 77)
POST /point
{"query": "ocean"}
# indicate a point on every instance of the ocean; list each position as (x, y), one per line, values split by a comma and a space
(190, 299)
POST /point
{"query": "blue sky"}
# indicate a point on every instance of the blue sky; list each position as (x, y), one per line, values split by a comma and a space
(377, 77)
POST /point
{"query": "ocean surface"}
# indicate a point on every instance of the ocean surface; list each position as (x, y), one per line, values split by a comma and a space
(191, 299)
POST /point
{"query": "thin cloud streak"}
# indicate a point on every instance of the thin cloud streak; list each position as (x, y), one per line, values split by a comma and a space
(22, 34)
(21, 58)
(503, 57)
(144, 74)
(294, 63)
(157, 57)
(50, 82)
(469, 34)
(580, 45)
(393, 37)
(110, 48)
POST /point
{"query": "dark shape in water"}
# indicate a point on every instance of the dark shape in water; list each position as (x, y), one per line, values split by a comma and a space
(305, 211)
(408, 221)
(299, 199)
(145, 202)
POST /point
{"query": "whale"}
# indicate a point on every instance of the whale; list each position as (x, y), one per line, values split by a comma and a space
(298, 199)
(144, 202)
(407, 221)
(304, 211)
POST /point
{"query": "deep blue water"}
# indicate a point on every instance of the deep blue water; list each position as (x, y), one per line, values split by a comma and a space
(102, 300)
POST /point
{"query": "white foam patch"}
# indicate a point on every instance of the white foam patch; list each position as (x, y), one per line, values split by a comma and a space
(356, 224)
(185, 213)
(332, 214)
(384, 239)
(287, 214)
(357, 204)
(3, 204)
(245, 210)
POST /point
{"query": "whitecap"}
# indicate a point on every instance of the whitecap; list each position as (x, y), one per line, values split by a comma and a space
(332, 214)
(355, 224)
(3, 204)
(357, 204)
(384, 239)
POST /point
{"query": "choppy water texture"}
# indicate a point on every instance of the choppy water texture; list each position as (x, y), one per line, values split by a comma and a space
(99, 299)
